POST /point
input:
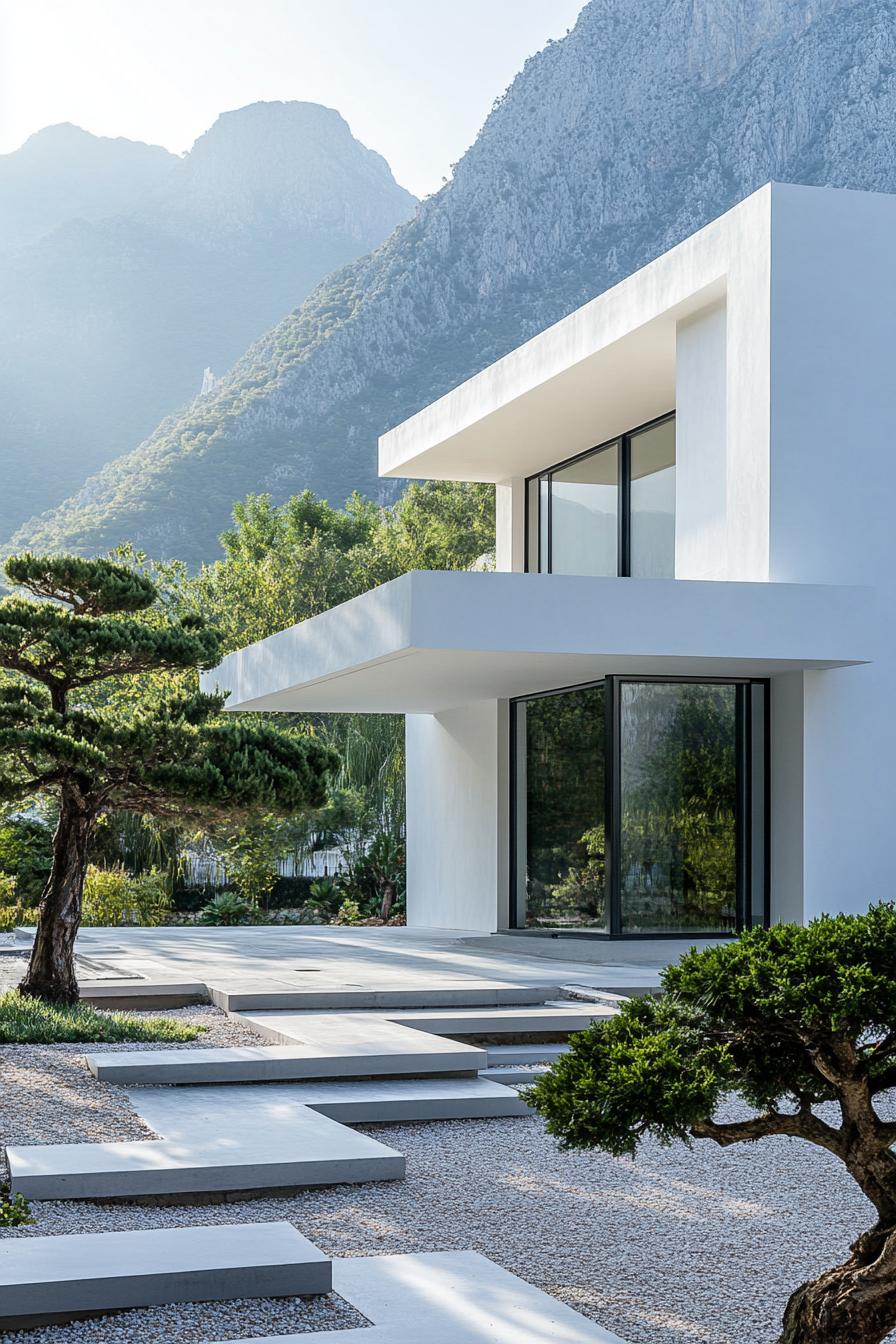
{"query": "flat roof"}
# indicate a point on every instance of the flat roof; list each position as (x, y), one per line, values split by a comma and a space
(432, 641)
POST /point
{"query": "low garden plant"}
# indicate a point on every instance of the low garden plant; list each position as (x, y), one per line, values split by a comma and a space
(801, 1023)
(15, 1210)
(28, 1021)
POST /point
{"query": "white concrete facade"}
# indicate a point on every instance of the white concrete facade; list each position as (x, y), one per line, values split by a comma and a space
(771, 335)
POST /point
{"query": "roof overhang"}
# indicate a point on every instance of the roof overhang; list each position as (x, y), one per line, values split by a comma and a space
(428, 642)
(606, 367)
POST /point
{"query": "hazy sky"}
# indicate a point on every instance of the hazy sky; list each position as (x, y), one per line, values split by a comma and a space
(413, 78)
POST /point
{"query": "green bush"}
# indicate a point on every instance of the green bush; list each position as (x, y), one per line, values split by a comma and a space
(17, 916)
(14, 1209)
(26, 854)
(112, 898)
(26, 1021)
(788, 1018)
(228, 908)
(349, 912)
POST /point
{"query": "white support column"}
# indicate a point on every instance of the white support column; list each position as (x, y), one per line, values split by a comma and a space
(510, 525)
(455, 824)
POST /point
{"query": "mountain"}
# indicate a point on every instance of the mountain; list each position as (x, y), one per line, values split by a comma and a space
(136, 270)
(63, 173)
(611, 145)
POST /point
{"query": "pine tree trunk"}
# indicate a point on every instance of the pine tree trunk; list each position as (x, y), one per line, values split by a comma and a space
(51, 970)
(853, 1303)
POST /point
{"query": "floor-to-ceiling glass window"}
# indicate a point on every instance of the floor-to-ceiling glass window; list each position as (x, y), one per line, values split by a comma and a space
(639, 807)
(678, 792)
(585, 515)
(610, 511)
(652, 501)
(559, 804)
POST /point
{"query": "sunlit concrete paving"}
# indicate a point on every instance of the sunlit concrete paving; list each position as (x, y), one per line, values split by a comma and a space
(237, 1138)
(408, 1041)
(324, 1028)
(46, 1279)
(455, 1297)
(288, 958)
(246, 1146)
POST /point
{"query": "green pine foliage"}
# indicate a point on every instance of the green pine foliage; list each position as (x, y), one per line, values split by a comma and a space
(788, 1018)
(101, 713)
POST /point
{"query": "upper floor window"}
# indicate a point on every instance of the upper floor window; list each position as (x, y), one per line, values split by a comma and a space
(608, 511)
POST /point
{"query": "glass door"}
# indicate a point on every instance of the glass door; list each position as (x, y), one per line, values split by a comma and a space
(639, 808)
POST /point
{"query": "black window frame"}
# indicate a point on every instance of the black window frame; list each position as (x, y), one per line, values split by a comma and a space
(623, 442)
(746, 819)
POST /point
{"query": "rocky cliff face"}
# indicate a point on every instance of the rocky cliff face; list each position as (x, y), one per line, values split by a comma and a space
(644, 123)
(155, 267)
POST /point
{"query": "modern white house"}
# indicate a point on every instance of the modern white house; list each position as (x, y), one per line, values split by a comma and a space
(671, 709)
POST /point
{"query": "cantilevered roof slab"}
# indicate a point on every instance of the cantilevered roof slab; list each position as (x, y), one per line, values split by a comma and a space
(428, 642)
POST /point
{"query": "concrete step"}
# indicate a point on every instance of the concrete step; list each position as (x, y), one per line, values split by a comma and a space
(142, 994)
(317, 992)
(50, 1279)
(235, 1138)
(175, 1113)
(510, 1076)
(205, 1152)
(545, 1053)
(448, 1297)
(403, 1052)
(286, 1028)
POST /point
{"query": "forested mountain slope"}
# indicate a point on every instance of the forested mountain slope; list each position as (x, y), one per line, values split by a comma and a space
(644, 123)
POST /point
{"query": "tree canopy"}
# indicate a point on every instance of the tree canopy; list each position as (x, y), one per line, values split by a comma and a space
(98, 714)
(789, 1018)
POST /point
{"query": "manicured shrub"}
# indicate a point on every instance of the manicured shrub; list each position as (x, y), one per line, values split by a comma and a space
(789, 1018)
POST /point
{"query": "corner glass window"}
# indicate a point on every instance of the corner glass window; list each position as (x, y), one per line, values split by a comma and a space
(639, 808)
(610, 511)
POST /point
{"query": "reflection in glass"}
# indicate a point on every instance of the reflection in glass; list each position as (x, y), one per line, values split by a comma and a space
(544, 488)
(584, 504)
(560, 831)
(653, 502)
(678, 788)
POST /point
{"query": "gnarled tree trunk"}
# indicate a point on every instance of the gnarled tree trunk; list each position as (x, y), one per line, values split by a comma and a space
(853, 1303)
(51, 970)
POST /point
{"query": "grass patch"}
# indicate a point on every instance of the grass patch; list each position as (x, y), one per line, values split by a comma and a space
(25, 1021)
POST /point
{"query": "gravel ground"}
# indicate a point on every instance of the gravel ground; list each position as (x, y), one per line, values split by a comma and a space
(679, 1247)
(683, 1246)
(199, 1321)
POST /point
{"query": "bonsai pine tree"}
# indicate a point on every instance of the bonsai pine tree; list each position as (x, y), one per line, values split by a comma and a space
(790, 1018)
(97, 712)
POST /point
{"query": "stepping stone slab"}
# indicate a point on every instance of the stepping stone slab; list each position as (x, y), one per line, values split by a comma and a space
(546, 1053)
(348, 1046)
(328, 1028)
(46, 1279)
(455, 1297)
(237, 1148)
(320, 993)
(248, 1112)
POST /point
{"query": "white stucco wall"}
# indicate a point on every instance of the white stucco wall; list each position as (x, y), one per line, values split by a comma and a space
(701, 476)
(456, 822)
(833, 493)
